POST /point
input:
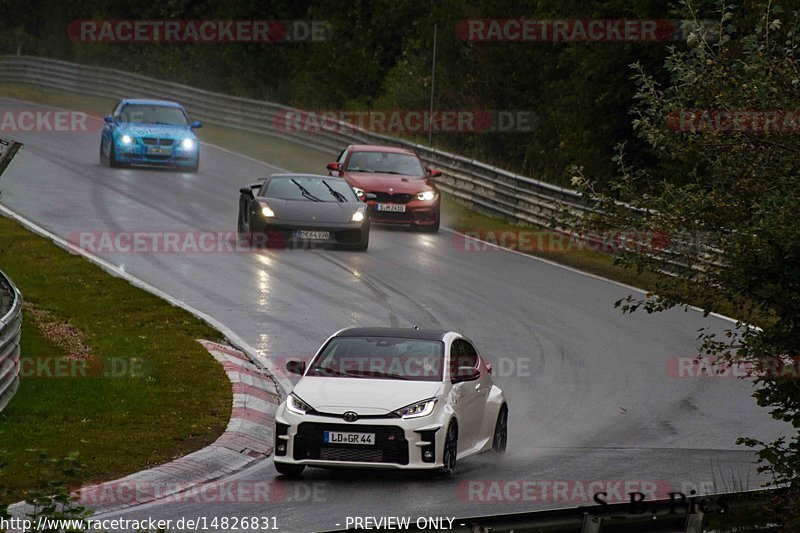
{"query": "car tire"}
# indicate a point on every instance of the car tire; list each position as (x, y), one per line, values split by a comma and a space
(292, 471)
(500, 437)
(112, 157)
(450, 450)
(101, 157)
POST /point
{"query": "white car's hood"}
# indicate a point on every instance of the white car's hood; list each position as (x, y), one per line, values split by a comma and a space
(362, 395)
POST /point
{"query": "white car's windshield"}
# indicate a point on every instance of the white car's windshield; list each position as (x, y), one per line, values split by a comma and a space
(380, 358)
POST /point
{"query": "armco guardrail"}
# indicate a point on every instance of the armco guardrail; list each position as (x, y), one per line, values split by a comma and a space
(10, 333)
(487, 188)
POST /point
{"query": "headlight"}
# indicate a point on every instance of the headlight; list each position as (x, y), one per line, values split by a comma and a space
(297, 406)
(126, 139)
(267, 211)
(426, 196)
(359, 193)
(417, 410)
(358, 216)
(187, 144)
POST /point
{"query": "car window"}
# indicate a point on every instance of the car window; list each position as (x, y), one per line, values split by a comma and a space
(385, 162)
(152, 114)
(462, 353)
(342, 156)
(309, 189)
(380, 358)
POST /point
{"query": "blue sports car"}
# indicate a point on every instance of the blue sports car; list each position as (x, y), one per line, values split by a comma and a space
(149, 132)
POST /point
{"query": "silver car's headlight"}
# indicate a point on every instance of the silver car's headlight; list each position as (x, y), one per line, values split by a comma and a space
(297, 406)
(267, 211)
(358, 216)
(417, 410)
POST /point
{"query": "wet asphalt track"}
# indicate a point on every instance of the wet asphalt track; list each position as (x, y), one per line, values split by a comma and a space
(588, 389)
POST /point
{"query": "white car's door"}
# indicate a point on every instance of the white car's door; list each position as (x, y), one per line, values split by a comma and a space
(471, 395)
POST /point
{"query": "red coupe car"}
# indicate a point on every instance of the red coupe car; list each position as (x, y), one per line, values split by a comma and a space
(394, 183)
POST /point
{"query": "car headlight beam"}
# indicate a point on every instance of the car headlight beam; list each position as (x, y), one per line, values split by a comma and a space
(358, 216)
(297, 406)
(426, 196)
(267, 211)
(417, 410)
(188, 144)
(126, 139)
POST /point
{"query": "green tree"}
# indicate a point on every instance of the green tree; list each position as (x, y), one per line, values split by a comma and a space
(725, 191)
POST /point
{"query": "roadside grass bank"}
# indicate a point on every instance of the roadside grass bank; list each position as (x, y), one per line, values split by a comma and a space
(108, 370)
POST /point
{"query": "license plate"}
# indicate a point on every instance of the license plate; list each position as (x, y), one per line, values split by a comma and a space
(314, 235)
(395, 208)
(340, 437)
(158, 150)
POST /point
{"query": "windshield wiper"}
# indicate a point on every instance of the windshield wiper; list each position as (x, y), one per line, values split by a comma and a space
(333, 371)
(305, 192)
(336, 194)
(379, 374)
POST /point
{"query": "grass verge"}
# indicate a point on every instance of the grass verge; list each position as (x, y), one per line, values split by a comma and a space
(143, 391)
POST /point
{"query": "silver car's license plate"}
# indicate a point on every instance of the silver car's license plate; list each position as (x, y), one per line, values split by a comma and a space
(395, 208)
(341, 437)
(314, 235)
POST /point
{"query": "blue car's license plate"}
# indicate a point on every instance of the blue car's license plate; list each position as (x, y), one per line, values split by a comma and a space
(158, 150)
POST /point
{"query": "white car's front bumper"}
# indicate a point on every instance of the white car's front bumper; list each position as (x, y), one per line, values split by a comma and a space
(415, 443)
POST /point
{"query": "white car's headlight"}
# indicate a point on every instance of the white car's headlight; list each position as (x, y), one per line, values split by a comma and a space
(267, 211)
(188, 144)
(426, 196)
(297, 406)
(359, 192)
(358, 216)
(417, 410)
(126, 139)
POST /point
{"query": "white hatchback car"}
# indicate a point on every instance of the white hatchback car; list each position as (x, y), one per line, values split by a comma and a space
(390, 398)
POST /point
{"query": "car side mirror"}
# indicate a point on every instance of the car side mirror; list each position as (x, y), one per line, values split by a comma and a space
(108, 119)
(433, 173)
(296, 367)
(334, 167)
(250, 188)
(371, 196)
(196, 124)
(465, 373)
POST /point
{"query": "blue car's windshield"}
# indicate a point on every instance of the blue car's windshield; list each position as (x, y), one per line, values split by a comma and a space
(152, 114)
